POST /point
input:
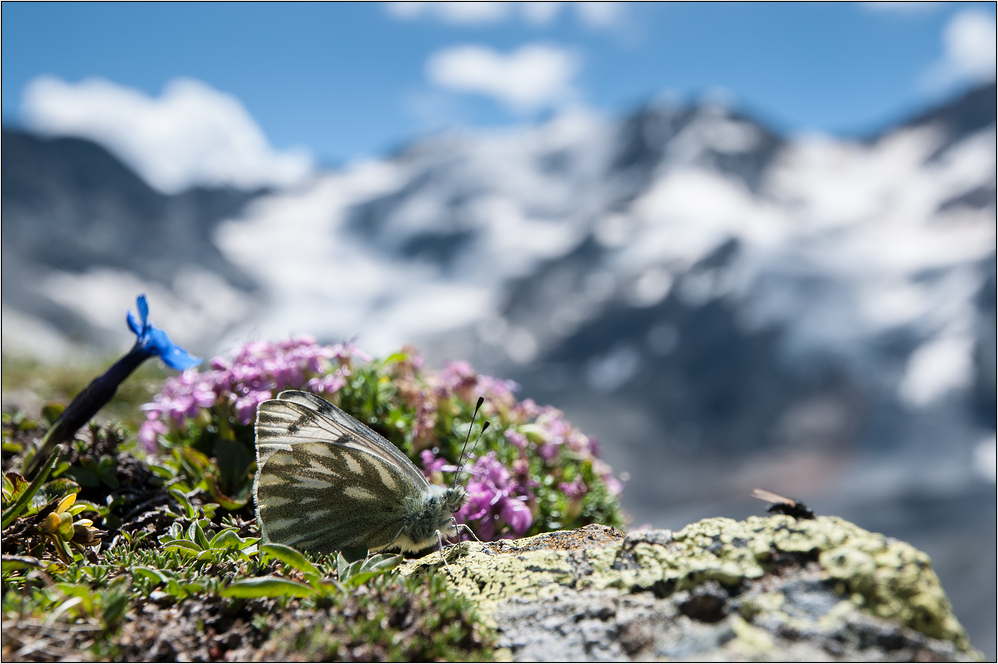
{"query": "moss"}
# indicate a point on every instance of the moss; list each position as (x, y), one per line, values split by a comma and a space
(388, 621)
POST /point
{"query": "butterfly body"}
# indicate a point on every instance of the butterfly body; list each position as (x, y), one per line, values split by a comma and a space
(325, 482)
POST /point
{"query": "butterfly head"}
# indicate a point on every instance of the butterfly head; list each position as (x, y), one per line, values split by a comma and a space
(454, 498)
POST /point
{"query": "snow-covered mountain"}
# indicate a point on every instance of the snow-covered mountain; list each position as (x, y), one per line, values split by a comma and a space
(83, 234)
(685, 246)
(725, 307)
(674, 259)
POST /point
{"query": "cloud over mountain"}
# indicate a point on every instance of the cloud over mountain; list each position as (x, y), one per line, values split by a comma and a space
(532, 77)
(968, 51)
(191, 135)
(599, 15)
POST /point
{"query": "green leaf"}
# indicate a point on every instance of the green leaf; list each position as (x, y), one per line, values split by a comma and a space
(196, 534)
(13, 485)
(183, 546)
(210, 556)
(534, 432)
(382, 562)
(229, 503)
(61, 487)
(107, 471)
(161, 471)
(24, 499)
(179, 496)
(193, 462)
(14, 563)
(115, 605)
(232, 460)
(84, 476)
(51, 412)
(395, 358)
(227, 539)
(267, 586)
(193, 587)
(292, 557)
(149, 573)
(358, 579)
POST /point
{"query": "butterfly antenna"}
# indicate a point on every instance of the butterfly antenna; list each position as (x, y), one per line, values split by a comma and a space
(462, 459)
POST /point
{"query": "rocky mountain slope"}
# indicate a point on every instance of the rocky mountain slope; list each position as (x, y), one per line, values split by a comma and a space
(82, 231)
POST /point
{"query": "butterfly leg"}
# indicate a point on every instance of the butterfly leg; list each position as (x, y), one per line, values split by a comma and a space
(440, 544)
(458, 526)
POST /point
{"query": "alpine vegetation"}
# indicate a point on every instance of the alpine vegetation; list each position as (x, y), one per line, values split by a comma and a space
(142, 544)
(531, 472)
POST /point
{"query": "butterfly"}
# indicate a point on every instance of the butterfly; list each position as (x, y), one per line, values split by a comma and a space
(325, 482)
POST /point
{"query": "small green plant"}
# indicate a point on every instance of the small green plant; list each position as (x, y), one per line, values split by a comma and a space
(64, 530)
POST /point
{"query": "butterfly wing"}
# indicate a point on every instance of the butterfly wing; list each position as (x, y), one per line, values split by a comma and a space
(325, 481)
(296, 417)
(323, 497)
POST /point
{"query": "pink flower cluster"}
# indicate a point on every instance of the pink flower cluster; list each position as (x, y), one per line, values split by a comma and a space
(498, 496)
(257, 372)
(545, 428)
(495, 498)
(459, 378)
(504, 501)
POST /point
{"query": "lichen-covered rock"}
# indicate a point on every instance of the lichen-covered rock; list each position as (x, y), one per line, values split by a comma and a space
(768, 588)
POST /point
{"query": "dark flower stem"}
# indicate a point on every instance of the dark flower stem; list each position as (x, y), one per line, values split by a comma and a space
(86, 404)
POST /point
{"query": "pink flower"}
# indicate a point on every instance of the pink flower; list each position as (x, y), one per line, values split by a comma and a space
(330, 383)
(574, 490)
(525, 411)
(494, 389)
(432, 464)
(345, 350)
(494, 500)
(245, 406)
(517, 439)
(257, 371)
(150, 431)
(548, 451)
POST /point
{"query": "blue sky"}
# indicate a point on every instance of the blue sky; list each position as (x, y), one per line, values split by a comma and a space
(350, 80)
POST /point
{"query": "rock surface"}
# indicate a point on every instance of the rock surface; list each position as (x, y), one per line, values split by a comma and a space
(768, 588)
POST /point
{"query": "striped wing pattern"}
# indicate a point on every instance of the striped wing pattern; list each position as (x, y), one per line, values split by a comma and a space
(296, 417)
(326, 482)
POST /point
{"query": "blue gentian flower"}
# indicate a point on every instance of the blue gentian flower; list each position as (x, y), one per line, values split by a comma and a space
(154, 341)
(150, 342)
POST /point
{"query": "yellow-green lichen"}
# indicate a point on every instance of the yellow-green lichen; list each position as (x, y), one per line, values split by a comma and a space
(489, 577)
(749, 641)
(885, 577)
(895, 581)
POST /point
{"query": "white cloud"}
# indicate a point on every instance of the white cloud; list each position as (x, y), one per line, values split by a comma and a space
(894, 7)
(968, 51)
(540, 13)
(598, 15)
(532, 77)
(191, 135)
(456, 13)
